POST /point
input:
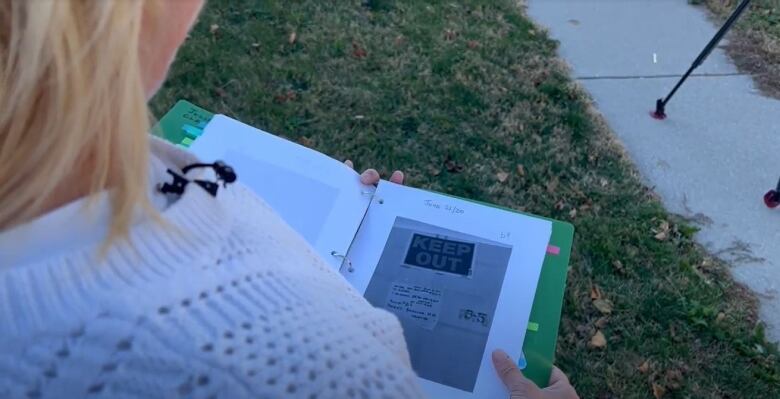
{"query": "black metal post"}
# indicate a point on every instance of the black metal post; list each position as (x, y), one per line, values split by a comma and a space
(660, 104)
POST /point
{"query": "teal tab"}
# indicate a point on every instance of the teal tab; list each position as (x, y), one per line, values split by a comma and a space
(192, 131)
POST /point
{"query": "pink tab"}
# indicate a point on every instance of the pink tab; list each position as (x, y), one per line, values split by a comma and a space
(553, 250)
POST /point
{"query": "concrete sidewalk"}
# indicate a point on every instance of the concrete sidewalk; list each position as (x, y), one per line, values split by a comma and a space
(718, 152)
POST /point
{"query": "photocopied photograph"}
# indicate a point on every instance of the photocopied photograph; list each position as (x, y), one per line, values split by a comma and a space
(444, 286)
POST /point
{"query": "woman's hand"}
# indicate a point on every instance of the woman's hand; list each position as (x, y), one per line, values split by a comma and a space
(371, 176)
(522, 388)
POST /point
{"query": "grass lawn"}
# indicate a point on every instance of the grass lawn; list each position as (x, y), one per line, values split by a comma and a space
(469, 98)
(755, 42)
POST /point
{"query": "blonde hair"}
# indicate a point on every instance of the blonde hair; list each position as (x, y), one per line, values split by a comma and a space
(71, 102)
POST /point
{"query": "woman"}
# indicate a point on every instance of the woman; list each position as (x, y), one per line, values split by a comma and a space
(110, 287)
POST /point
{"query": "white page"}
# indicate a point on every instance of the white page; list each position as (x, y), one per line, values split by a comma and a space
(318, 196)
(460, 275)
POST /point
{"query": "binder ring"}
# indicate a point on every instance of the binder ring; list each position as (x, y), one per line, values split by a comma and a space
(373, 195)
(345, 259)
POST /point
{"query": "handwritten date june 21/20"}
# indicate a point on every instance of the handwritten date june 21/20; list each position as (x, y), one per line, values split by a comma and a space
(445, 207)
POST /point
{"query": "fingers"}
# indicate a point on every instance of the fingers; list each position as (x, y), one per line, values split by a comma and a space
(557, 377)
(519, 387)
(397, 177)
(370, 176)
(559, 386)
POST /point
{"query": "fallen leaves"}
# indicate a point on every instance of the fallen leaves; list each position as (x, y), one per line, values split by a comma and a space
(472, 44)
(618, 266)
(662, 232)
(674, 379)
(520, 170)
(452, 166)
(644, 367)
(595, 292)
(658, 391)
(604, 306)
(292, 38)
(502, 176)
(358, 51)
(598, 341)
(287, 96)
(450, 34)
(552, 185)
(213, 28)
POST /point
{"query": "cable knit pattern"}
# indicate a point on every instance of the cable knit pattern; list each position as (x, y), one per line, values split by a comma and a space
(223, 301)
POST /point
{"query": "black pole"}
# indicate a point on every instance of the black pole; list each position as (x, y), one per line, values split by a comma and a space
(660, 104)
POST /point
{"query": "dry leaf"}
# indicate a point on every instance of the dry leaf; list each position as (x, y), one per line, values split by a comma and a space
(472, 44)
(662, 233)
(603, 305)
(220, 92)
(674, 379)
(601, 322)
(520, 170)
(658, 391)
(719, 318)
(449, 34)
(502, 176)
(552, 185)
(285, 97)
(398, 40)
(573, 213)
(618, 265)
(213, 28)
(595, 292)
(292, 38)
(305, 141)
(452, 166)
(357, 51)
(644, 367)
(598, 341)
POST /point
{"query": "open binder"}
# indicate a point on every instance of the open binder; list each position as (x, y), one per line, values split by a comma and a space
(410, 251)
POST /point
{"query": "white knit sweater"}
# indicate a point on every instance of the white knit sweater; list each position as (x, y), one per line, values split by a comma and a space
(224, 301)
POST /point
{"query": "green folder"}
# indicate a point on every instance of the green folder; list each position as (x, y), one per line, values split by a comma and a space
(184, 123)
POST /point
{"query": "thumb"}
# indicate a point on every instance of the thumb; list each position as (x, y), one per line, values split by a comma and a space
(519, 387)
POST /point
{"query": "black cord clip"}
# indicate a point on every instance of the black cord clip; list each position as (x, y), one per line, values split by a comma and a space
(225, 175)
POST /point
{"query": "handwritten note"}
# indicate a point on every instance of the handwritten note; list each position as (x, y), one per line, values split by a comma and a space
(421, 304)
(443, 207)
